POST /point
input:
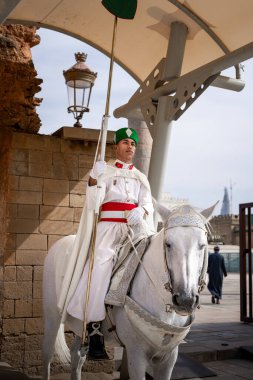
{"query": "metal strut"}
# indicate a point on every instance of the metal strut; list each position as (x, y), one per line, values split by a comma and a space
(142, 105)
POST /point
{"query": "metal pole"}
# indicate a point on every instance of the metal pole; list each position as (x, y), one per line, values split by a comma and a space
(163, 126)
(96, 212)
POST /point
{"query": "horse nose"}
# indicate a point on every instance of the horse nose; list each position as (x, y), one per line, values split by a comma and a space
(185, 302)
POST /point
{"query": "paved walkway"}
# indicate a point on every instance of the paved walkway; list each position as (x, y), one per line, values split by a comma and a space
(217, 334)
(214, 339)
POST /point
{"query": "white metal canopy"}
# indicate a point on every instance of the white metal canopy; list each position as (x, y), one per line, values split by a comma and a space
(215, 27)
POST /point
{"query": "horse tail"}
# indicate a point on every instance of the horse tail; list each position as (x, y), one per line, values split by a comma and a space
(61, 348)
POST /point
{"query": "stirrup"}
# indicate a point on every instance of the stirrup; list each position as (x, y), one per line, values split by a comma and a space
(97, 349)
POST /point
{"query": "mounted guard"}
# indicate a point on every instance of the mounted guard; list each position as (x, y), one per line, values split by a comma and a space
(126, 201)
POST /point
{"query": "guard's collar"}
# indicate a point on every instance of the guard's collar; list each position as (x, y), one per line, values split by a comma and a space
(122, 165)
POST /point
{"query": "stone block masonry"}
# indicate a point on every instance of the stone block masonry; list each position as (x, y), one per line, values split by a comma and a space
(42, 194)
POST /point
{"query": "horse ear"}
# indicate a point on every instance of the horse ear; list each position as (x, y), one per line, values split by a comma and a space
(162, 210)
(207, 213)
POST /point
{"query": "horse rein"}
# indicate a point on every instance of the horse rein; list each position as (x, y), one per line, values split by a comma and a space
(145, 269)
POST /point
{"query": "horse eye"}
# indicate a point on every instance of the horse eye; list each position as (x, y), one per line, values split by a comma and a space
(202, 246)
(168, 245)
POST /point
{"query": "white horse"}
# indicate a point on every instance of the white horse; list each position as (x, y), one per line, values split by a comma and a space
(160, 308)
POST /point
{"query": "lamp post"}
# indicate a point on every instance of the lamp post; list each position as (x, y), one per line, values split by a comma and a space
(79, 80)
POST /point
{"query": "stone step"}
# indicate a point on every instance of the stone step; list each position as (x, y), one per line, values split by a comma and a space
(246, 352)
(9, 373)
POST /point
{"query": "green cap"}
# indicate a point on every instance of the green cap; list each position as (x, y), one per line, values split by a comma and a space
(126, 133)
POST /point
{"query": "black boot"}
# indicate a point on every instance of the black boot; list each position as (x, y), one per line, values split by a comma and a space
(96, 342)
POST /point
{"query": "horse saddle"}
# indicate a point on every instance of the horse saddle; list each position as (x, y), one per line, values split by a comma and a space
(124, 270)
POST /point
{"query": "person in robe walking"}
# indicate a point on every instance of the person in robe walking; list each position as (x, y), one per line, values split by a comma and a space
(216, 270)
(126, 201)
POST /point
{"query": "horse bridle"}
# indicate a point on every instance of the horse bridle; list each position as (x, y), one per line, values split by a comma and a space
(202, 276)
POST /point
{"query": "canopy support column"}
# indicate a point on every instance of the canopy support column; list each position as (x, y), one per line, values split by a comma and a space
(163, 123)
(6, 7)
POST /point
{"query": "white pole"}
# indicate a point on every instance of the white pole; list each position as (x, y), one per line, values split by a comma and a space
(96, 212)
(163, 125)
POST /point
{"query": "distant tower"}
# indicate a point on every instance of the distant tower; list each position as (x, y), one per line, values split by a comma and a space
(225, 208)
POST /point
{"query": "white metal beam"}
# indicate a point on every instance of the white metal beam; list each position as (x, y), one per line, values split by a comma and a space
(142, 104)
(163, 124)
(6, 7)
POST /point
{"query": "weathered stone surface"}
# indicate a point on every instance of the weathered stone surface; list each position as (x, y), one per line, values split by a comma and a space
(43, 201)
(12, 349)
(78, 187)
(76, 200)
(28, 211)
(55, 199)
(33, 197)
(34, 326)
(37, 290)
(56, 213)
(25, 273)
(23, 308)
(22, 225)
(18, 289)
(54, 227)
(13, 326)
(77, 214)
(30, 183)
(18, 104)
(13, 182)
(10, 273)
(8, 309)
(10, 242)
(18, 168)
(37, 308)
(38, 273)
(33, 242)
(56, 186)
(11, 210)
(9, 257)
(53, 239)
(30, 257)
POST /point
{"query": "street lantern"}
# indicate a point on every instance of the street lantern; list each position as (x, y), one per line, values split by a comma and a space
(79, 80)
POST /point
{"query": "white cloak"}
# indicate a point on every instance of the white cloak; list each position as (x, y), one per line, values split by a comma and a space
(79, 254)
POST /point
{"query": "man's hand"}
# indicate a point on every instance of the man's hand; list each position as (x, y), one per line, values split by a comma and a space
(135, 216)
(98, 169)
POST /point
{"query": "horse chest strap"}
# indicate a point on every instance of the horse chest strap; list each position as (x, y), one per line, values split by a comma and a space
(159, 334)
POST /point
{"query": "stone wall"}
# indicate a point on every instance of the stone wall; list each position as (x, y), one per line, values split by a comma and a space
(18, 78)
(226, 227)
(42, 194)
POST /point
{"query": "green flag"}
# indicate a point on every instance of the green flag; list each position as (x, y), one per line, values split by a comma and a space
(121, 8)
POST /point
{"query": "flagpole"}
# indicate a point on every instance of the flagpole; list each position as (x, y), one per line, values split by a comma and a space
(104, 127)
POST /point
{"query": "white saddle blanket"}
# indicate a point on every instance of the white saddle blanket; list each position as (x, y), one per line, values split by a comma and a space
(124, 270)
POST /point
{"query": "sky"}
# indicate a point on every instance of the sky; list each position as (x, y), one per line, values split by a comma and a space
(211, 145)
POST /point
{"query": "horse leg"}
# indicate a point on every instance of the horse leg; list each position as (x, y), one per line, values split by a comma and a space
(124, 375)
(51, 327)
(162, 370)
(77, 360)
(136, 364)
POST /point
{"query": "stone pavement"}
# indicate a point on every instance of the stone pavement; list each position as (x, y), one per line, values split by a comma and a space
(215, 338)
(217, 334)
